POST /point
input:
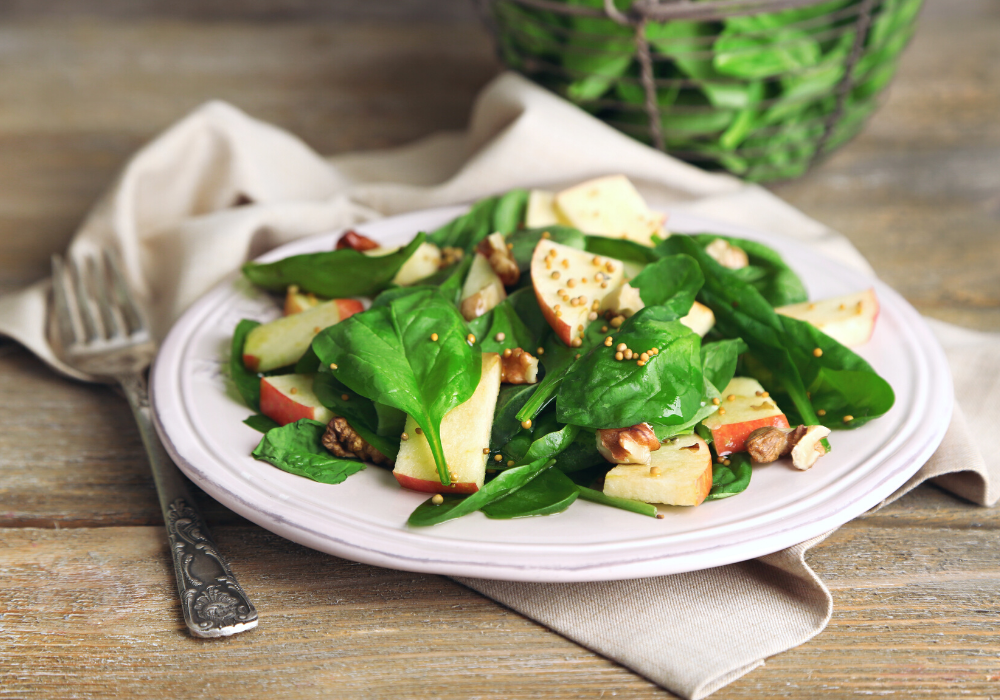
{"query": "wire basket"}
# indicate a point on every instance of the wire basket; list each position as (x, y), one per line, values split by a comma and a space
(761, 88)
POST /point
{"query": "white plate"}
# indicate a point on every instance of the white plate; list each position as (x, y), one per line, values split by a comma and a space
(199, 417)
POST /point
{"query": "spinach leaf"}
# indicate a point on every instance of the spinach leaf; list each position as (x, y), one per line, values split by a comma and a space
(601, 392)
(551, 492)
(672, 281)
(261, 423)
(767, 271)
(616, 502)
(581, 454)
(502, 319)
(308, 363)
(333, 274)
(505, 423)
(506, 483)
(296, 448)
(388, 355)
(247, 381)
(494, 214)
(621, 249)
(525, 305)
(718, 361)
(839, 381)
(730, 480)
(597, 51)
(759, 46)
(551, 444)
(781, 352)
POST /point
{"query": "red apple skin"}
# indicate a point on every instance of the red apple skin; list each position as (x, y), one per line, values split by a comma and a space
(280, 408)
(427, 486)
(349, 307)
(355, 241)
(732, 438)
(251, 362)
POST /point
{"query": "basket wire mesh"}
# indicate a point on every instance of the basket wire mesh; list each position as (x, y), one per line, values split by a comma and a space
(762, 88)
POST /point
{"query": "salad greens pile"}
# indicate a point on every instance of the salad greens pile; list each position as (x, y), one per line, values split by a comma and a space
(376, 367)
(752, 94)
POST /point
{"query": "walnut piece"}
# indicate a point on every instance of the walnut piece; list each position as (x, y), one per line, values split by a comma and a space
(518, 366)
(630, 445)
(494, 248)
(341, 439)
(727, 255)
(355, 241)
(804, 443)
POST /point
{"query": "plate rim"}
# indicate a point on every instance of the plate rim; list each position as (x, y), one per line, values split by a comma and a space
(934, 423)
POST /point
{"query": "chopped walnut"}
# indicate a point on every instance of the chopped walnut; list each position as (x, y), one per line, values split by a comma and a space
(501, 258)
(630, 445)
(727, 255)
(518, 366)
(355, 241)
(341, 439)
(804, 443)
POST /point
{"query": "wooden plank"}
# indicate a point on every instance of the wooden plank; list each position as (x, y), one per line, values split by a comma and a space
(105, 599)
(914, 614)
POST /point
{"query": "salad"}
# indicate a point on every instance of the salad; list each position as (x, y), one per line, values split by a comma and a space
(546, 347)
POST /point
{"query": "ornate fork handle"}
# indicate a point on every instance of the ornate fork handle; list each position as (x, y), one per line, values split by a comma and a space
(213, 602)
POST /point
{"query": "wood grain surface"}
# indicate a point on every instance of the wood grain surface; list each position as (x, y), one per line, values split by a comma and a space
(87, 600)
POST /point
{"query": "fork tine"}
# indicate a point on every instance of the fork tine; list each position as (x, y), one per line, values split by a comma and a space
(63, 303)
(90, 330)
(134, 318)
(103, 293)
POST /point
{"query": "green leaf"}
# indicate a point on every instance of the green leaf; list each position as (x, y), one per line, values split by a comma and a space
(505, 483)
(505, 422)
(551, 444)
(551, 492)
(333, 274)
(601, 392)
(501, 214)
(297, 449)
(672, 281)
(730, 480)
(757, 46)
(387, 355)
(502, 319)
(718, 361)
(615, 502)
(361, 413)
(247, 382)
(581, 454)
(261, 423)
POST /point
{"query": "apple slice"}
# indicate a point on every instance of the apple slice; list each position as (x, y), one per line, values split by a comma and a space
(541, 210)
(678, 474)
(610, 206)
(745, 407)
(482, 290)
(281, 343)
(571, 286)
(297, 302)
(849, 319)
(465, 435)
(424, 262)
(289, 397)
(700, 319)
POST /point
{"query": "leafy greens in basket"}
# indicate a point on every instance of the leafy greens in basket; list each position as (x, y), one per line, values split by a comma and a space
(512, 363)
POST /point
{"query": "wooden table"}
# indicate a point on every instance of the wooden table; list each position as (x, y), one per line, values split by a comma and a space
(87, 598)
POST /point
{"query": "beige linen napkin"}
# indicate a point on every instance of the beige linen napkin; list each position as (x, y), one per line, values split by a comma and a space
(219, 188)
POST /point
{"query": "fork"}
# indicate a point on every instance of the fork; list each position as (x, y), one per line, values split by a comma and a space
(99, 328)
